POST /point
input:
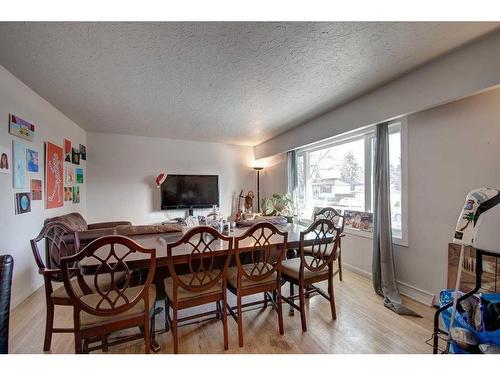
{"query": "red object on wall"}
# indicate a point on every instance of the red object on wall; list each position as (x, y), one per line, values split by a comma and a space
(160, 179)
(54, 194)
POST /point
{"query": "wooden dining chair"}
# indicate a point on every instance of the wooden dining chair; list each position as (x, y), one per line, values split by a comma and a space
(337, 218)
(59, 241)
(207, 254)
(311, 268)
(114, 305)
(259, 253)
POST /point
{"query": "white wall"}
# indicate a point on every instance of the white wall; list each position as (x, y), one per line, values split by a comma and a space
(17, 230)
(455, 75)
(122, 170)
(452, 149)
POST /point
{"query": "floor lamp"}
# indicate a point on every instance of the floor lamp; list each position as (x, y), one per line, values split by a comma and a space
(258, 169)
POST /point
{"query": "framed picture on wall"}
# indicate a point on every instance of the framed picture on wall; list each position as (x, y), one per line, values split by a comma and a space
(19, 163)
(54, 193)
(5, 160)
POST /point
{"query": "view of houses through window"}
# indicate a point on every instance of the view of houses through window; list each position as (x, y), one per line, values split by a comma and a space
(338, 174)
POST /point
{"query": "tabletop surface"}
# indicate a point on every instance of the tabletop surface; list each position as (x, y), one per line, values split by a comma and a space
(160, 242)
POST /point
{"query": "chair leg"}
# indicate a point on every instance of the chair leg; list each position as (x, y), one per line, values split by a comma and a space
(224, 321)
(302, 306)
(280, 309)
(332, 298)
(78, 343)
(240, 321)
(104, 340)
(147, 337)
(167, 314)
(174, 330)
(292, 310)
(340, 267)
(265, 301)
(49, 325)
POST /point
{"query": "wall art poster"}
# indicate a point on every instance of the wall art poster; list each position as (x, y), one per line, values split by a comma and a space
(31, 160)
(76, 194)
(21, 128)
(19, 170)
(23, 203)
(83, 152)
(75, 156)
(5, 160)
(53, 176)
(67, 150)
(69, 172)
(68, 194)
(36, 190)
(79, 175)
(359, 220)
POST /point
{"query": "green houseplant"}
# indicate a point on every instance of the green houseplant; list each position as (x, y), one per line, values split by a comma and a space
(278, 205)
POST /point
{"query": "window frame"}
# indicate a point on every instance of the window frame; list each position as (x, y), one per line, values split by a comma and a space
(368, 134)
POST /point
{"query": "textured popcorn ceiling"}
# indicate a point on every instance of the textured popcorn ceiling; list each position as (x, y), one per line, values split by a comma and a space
(240, 83)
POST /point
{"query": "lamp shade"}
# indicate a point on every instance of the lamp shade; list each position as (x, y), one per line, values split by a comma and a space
(477, 202)
(160, 179)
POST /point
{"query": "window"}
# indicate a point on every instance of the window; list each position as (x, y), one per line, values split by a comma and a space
(338, 173)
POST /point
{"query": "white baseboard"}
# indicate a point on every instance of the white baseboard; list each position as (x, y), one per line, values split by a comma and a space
(409, 291)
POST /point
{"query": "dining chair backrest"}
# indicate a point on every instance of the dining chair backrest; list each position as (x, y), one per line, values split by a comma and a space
(106, 262)
(208, 254)
(60, 241)
(332, 214)
(324, 248)
(264, 245)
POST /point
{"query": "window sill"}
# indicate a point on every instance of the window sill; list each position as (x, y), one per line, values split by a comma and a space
(363, 234)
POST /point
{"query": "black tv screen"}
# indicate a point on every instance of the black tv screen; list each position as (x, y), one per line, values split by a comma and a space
(186, 191)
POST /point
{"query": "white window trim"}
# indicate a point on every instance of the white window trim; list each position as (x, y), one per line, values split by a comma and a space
(361, 133)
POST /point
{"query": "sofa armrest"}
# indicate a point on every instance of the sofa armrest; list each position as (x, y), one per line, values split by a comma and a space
(108, 224)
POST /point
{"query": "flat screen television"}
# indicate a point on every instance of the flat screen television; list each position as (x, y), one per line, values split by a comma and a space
(189, 191)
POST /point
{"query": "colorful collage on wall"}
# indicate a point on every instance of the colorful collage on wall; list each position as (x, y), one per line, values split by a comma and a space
(59, 168)
(53, 176)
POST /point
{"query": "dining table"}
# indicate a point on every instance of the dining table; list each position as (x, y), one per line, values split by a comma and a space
(181, 253)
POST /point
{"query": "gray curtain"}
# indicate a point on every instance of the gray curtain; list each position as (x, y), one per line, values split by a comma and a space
(384, 272)
(292, 178)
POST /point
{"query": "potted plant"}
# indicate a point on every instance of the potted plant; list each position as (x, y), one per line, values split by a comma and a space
(278, 205)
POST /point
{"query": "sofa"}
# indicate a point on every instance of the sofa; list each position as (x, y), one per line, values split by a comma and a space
(86, 232)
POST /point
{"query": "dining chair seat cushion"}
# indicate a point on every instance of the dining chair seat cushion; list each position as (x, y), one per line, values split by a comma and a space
(291, 267)
(104, 281)
(88, 320)
(232, 277)
(308, 250)
(186, 295)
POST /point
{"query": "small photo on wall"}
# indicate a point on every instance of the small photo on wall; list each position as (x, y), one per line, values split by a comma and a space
(67, 150)
(36, 190)
(23, 203)
(76, 194)
(5, 160)
(75, 156)
(19, 171)
(68, 194)
(21, 128)
(79, 175)
(31, 160)
(69, 174)
(83, 152)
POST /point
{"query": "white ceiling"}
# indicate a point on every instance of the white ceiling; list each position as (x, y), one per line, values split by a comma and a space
(239, 83)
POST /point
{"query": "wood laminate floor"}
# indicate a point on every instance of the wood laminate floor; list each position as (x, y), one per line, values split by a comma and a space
(363, 325)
